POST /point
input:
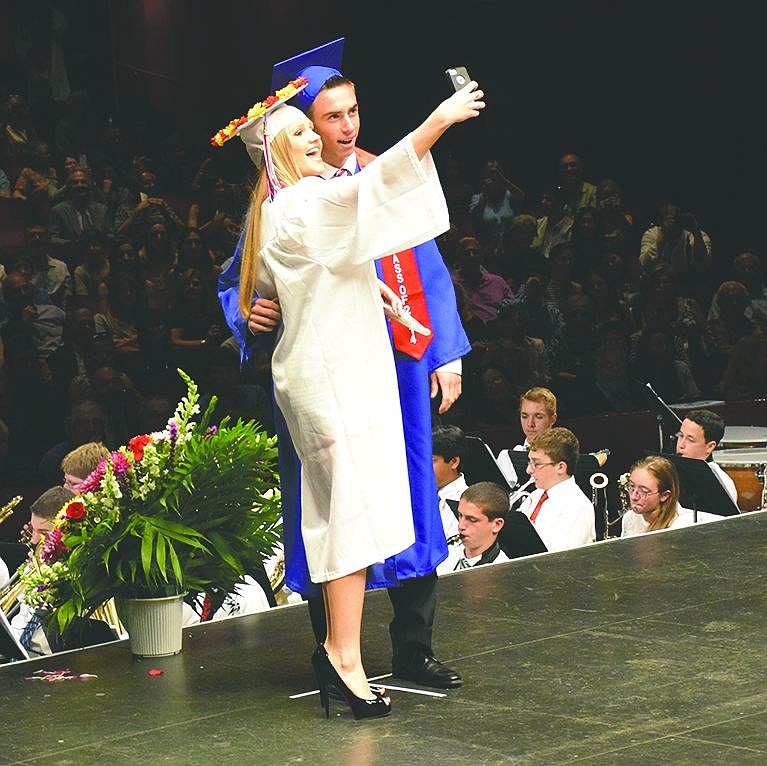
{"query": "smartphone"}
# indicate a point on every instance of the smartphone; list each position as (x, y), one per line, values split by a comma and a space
(458, 76)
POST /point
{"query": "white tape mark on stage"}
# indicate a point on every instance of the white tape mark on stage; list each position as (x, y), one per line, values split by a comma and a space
(388, 688)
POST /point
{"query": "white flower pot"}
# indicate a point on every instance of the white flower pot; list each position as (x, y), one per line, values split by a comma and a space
(153, 624)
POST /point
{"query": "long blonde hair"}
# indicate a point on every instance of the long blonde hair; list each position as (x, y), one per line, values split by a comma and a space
(288, 174)
(667, 477)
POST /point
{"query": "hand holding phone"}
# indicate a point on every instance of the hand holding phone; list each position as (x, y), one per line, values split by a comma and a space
(458, 77)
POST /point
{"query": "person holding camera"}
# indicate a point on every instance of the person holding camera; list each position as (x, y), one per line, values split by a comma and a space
(434, 373)
(679, 242)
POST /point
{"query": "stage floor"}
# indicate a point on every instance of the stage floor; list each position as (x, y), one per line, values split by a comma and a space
(640, 651)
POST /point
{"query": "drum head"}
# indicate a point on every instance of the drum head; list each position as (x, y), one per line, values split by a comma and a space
(740, 457)
(743, 436)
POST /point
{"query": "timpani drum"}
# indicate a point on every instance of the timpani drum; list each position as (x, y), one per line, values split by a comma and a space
(741, 437)
(748, 469)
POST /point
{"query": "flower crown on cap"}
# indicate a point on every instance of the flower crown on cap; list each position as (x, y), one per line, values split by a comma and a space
(258, 110)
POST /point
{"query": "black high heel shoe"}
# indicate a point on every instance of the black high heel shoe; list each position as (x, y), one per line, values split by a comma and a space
(327, 675)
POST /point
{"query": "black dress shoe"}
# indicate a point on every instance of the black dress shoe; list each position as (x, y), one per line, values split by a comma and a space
(427, 671)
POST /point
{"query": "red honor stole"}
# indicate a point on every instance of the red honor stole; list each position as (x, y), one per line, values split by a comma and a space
(400, 273)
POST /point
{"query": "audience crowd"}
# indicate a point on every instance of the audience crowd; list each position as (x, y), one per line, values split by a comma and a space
(112, 241)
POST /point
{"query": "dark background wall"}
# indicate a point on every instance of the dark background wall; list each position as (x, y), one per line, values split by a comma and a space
(664, 97)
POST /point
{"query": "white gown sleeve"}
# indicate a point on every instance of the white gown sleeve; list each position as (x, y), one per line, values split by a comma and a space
(394, 203)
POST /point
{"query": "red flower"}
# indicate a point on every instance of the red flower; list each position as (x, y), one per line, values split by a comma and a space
(75, 510)
(137, 444)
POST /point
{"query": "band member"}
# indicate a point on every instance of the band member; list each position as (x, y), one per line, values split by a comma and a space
(562, 515)
(698, 436)
(482, 513)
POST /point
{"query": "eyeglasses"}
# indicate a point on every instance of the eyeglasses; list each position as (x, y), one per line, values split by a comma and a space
(535, 465)
(643, 491)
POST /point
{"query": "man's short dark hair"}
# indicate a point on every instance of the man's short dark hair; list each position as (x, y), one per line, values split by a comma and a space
(335, 81)
(50, 502)
(447, 442)
(490, 498)
(710, 422)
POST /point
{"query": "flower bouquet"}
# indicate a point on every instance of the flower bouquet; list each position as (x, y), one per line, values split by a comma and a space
(190, 509)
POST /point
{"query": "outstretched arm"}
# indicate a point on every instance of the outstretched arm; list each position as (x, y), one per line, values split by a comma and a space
(461, 106)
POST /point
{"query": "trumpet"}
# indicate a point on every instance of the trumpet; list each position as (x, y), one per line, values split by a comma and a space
(520, 493)
(7, 510)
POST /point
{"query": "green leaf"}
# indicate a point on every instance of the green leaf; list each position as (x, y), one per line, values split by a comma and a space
(147, 542)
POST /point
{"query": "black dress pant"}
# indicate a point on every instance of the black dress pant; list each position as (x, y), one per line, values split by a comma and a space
(414, 603)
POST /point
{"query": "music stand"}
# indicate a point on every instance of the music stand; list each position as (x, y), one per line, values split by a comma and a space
(478, 463)
(10, 647)
(518, 537)
(700, 489)
(664, 415)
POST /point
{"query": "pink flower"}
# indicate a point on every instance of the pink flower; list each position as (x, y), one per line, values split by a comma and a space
(93, 480)
(53, 549)
(120, 464)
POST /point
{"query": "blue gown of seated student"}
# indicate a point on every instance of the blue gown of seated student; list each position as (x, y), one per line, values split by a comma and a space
(449, 343)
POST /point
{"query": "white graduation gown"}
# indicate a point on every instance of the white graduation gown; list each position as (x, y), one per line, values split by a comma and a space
(333, 368)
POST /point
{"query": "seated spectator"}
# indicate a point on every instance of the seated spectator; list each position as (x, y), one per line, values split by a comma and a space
(561, 286)
(196, 321)
(616, 228)
(48, 273)
(544, 320)
(80, 463)
(482, 512)
(607, 303)
(157, 373)
(155, 412)
(680, 243)
(700, 433)
(671, 378)
(653, 492)
(69, 361)
(79, 211)
(157, 260)
(21, 264)
(120, 402)
(492, 210)
(661, 305)
(610, 387)
(747, 269)
(41, 326)
(91, 275)
(579, 338)
(519, 258)
(125, 308)
(447, 449)
(458, 193)
(193, 253)
(145, 207)
(84, 423)
(482, 290)
(577, 193)
(555, 223)
(561, 514)
(522, 357)
(585, 245)
(723, 333)
(746, 374)
(36, 184)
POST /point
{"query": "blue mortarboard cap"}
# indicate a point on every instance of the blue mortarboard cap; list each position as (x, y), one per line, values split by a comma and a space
(317, 65)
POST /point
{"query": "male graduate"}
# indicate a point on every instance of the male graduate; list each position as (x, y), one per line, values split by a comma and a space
(426, 366)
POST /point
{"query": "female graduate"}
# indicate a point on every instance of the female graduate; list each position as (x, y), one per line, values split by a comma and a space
(311, 244)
